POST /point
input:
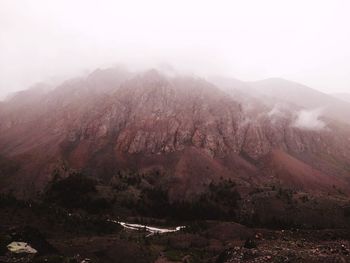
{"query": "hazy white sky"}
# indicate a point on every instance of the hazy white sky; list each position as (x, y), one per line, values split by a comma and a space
(302, 40)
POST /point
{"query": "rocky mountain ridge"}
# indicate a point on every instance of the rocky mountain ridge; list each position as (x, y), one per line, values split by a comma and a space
(181, 125)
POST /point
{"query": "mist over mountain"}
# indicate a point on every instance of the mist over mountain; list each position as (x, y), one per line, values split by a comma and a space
(342, 96)
(113, 116)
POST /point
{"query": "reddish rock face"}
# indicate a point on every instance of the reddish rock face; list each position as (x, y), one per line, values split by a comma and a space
(183, 126)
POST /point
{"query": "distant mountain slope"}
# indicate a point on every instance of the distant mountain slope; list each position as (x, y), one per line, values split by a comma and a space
(342, 96)
(303, 96)
(183, 126)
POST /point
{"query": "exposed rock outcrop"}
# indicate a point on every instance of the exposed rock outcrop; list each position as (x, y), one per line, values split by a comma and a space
(113, 120)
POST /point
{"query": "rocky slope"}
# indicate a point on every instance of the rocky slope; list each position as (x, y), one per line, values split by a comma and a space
(184, 127)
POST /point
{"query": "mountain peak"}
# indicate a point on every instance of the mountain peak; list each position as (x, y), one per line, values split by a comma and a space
(117, 119)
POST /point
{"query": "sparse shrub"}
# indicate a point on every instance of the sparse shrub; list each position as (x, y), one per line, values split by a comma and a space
(77, 192)
(250, 243)
(218, 202)
(347, 211)
(4, 241)
(304, 198)
(9, 200)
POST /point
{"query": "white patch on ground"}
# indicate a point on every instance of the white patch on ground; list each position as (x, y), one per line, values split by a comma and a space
(151, 230)
(21, 247)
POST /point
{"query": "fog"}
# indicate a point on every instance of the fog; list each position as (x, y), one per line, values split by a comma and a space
(304, 41)
(310, 120)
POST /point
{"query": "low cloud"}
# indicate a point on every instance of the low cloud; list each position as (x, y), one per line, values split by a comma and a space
(278, 112)
(309, 120)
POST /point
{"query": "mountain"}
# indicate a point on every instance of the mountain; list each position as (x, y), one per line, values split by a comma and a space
(185, 127)
(342, 96)
(302, 96)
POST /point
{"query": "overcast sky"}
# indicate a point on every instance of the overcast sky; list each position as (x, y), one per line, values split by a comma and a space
(302, 40)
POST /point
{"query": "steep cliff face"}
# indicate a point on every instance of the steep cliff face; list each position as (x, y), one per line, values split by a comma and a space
(183, 126)
(152, 114)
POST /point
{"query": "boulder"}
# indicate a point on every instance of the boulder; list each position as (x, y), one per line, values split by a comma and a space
(21, 247)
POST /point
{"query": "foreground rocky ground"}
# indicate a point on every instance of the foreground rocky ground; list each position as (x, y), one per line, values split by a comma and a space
(75, 221)
(291, 246)
(84, 238)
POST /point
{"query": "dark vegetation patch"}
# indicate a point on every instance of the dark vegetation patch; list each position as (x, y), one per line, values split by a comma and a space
(50, 216)
(8, 167)
(131, 193)
(77, 191)
(277, 207)
(9, 200)
(147, 195)
(218, 202)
